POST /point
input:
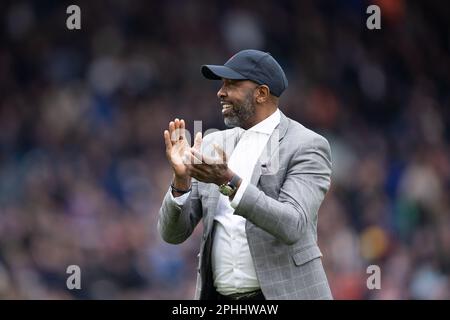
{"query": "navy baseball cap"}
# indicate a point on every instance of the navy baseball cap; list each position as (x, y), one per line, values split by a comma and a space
(253, 65)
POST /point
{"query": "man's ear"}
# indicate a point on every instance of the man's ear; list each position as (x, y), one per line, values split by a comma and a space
(262, 93)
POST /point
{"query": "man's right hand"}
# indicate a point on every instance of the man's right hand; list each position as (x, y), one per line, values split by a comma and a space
(176, 147)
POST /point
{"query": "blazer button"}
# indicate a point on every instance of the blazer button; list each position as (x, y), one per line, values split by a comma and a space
(204, 236)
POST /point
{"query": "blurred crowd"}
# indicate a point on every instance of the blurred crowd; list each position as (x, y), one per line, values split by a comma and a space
(82, 112)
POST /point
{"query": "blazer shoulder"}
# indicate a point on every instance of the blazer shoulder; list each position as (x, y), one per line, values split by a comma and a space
(305, 136)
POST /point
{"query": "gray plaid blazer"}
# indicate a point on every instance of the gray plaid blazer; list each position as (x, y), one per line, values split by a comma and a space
(287, 187)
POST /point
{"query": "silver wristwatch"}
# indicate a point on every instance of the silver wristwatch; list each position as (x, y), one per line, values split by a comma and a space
(228, 189)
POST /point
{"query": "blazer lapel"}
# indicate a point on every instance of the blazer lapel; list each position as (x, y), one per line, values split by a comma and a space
(269, 162)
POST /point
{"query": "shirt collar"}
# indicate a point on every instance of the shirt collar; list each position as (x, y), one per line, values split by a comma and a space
(267, 125)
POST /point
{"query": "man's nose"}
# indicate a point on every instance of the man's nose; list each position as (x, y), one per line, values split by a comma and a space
(221, 93)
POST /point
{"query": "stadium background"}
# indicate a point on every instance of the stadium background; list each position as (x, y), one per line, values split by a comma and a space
(82, 166)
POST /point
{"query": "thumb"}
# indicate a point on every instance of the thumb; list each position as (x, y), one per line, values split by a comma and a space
(198, 141)
(222, 154)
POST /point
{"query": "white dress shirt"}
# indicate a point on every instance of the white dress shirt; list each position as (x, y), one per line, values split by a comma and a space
(232, 264)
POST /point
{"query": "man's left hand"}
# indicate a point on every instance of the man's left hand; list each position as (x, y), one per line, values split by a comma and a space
(207, 169)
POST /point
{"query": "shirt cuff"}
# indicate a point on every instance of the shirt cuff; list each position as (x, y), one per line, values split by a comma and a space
(179, 200)
(239, 193)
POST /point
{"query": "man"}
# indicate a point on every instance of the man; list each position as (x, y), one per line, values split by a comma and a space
(258, 198)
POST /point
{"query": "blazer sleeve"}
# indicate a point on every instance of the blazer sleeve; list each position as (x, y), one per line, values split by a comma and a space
(306, 182)
(176, 223)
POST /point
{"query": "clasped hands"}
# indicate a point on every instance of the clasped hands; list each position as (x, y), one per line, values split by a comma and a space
(189, 162)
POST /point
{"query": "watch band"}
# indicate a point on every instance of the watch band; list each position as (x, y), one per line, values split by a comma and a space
(234, 181)
(179, 190)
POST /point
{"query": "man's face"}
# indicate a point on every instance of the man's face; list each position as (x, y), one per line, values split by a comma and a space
(237, 100)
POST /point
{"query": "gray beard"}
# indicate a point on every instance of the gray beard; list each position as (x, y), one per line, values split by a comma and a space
(232, 122)
(243, 113)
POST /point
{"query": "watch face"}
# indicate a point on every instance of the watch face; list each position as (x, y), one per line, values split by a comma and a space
(226, 190)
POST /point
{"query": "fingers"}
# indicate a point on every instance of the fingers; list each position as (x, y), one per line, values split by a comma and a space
(221, 152)
(172, 133)
(205, 159)
(167, 141)
(182, 129)
(192, 158)
(177, 129)
(198, 141)
(196, 156)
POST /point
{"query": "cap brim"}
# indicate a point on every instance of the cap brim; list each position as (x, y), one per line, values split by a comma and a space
(215, 72)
